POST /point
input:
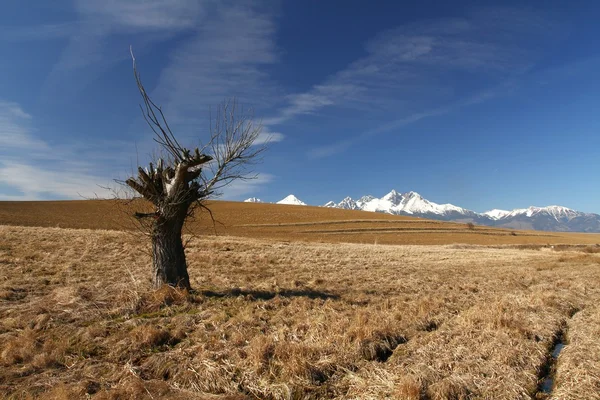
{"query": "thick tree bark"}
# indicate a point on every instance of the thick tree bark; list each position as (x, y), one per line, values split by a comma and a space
(168, 255)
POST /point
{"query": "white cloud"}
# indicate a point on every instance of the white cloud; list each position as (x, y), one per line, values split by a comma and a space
(98, 20)
(69, 172)
(14, 130)
(267, 137)
(37, 169)
(419, 70)
(343, 145)
(100, 35)
(412, 66)
(142, 14)
(223, 59)
(36, 182)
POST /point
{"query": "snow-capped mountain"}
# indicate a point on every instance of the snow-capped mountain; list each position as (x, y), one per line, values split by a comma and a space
(348, 204)
(558, 212)
(496, 214)
(551, 218)
(364, 200)
(410, 203)
(291, 199)
(253, 200)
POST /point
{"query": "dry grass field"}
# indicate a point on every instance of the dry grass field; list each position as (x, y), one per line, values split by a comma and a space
(283, 309)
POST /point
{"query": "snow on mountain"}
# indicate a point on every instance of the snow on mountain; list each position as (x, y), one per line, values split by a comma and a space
(253, 200)
(411, 203)
(414, 203)
(550, 218)
(393, 197)
(364, 200)
(496, 214)
(557, 212)
(348, 204)
(377, 205)
(293, 200)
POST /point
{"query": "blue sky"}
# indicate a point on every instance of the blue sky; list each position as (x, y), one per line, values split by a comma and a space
(479, 105)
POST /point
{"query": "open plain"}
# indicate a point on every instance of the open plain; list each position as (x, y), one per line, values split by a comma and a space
(294, 302)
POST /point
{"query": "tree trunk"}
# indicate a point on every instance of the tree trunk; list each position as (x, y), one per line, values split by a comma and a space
(168, 256)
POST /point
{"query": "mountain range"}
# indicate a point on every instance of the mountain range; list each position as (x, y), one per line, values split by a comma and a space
(550, 218)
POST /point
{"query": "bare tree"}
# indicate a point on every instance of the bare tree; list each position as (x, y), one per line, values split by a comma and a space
(183, 179)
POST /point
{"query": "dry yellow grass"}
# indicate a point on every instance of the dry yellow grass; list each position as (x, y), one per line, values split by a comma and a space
(578, 370)
(274, 319)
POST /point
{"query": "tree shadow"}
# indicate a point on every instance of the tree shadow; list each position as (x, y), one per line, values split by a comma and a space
(268, 295)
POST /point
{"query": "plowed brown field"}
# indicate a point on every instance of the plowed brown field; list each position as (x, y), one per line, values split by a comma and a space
(315, 224)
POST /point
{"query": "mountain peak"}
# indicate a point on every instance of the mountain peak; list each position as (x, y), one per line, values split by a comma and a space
(253, 200)
(559, 208)
(393, 197)
(412, 194)
(291, 199)
(366, 199)
(496, 214)
(557, 212)
(348, 204)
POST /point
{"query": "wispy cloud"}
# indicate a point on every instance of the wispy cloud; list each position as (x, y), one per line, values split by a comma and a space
(37, 169)
(420, 70)
(132, 15)
(37, 182)
(267, 137)
(223, 59)
(15, 131)
(395, 124)
(99, 36)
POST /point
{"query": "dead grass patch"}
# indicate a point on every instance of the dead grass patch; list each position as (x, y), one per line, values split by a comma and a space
(278, 320)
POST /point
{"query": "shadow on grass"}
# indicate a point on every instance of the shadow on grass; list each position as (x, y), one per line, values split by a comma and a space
(267, 295)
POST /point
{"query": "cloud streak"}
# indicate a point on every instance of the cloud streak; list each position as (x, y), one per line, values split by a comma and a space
(36, 169)
(223, 59)
(132, 15)
(38, 182)
(419, 70)
(343, 145)
(101, 33)
(15, 131)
